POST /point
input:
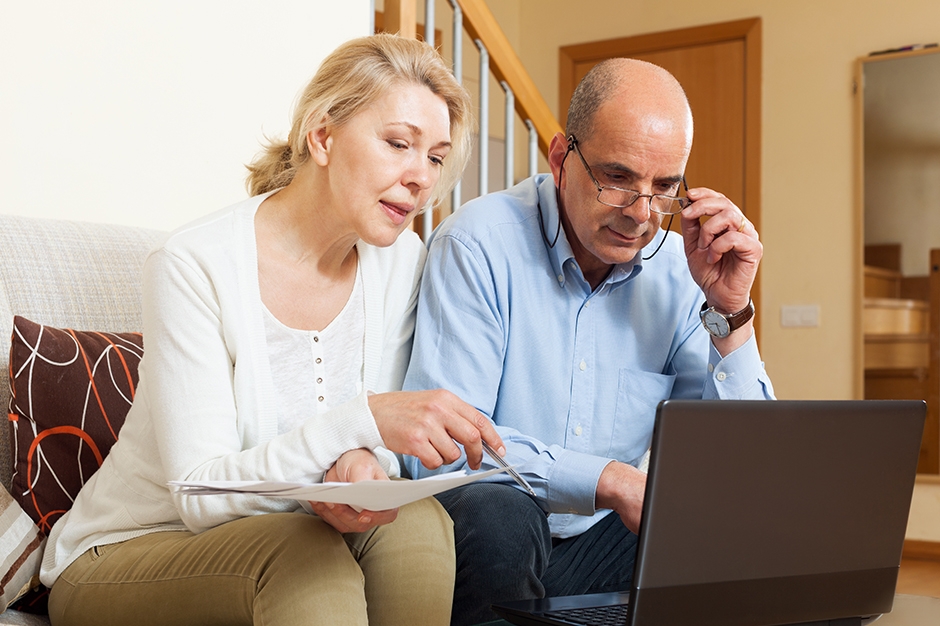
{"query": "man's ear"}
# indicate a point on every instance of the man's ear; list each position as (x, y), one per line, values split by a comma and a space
(556, 156)
(319, 142)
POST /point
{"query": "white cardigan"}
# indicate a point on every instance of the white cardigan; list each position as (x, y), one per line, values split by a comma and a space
(204, 406)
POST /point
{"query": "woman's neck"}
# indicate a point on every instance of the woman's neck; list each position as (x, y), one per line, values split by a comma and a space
(300, 224)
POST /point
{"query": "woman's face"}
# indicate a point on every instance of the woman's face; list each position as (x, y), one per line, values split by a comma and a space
(384, 162)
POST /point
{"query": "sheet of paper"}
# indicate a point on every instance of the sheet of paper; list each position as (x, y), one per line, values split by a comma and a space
(375, 495)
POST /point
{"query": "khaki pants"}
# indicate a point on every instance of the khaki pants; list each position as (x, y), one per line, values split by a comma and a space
(277, 570)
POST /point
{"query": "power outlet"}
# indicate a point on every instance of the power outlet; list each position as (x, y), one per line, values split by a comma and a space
(799, 316)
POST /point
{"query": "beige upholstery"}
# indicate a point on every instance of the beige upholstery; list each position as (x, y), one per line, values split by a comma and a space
(68, 274)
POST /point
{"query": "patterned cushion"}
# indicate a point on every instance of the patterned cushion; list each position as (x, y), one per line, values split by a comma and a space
(21, 546)
(69, 394)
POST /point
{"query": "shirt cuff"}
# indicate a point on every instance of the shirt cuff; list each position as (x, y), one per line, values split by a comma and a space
(736, 374)
(388, 460)
(572, 482)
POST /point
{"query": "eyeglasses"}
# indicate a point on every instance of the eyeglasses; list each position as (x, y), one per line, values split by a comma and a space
(622, 198)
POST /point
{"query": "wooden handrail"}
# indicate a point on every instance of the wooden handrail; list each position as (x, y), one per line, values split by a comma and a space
(505, 65)
(480, 23)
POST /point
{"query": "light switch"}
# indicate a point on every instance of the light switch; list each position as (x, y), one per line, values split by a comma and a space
(799, 316)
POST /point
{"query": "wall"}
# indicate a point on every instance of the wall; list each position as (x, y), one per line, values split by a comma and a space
(145, 113)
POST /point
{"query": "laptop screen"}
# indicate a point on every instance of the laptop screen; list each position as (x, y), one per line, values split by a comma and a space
(788, 511)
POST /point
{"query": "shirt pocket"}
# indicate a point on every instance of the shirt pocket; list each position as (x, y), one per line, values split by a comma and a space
(638, 394)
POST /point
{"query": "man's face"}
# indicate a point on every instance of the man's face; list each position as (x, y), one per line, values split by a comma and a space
(642, 148)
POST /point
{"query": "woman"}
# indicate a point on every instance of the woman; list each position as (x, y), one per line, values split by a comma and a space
(277, 332)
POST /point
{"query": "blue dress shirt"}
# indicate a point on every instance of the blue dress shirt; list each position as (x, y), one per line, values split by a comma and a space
(571, 377)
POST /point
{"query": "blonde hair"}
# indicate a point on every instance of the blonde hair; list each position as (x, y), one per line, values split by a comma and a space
(351, 78)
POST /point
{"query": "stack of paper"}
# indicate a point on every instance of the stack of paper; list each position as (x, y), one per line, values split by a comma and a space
(375, 495)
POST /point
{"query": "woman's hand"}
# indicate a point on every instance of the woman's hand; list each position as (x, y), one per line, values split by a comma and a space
(351, 467)
(425, 424)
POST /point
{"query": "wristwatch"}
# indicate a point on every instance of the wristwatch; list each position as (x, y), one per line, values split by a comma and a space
(721, 325)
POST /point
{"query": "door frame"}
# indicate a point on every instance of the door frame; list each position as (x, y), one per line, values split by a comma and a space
(746, 30)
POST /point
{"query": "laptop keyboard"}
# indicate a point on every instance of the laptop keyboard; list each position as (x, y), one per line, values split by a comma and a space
(613, 615)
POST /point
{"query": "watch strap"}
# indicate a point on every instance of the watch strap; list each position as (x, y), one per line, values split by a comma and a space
(735, 320)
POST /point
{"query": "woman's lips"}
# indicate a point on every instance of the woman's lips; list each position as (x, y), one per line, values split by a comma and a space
(397, 212)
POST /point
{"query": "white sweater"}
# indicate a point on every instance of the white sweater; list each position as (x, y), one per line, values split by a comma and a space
(204, 406)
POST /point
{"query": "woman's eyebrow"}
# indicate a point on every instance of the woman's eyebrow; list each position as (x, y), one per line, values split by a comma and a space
(417, 131)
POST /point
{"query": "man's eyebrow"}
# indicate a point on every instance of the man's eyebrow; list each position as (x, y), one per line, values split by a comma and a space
(620, 168)
(417, 131)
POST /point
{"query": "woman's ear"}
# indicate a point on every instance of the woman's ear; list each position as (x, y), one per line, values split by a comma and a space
(319, 143)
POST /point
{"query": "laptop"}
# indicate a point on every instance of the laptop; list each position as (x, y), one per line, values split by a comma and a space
(761, 513)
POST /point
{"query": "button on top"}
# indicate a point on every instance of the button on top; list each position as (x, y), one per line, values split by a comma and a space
(316, 338)
(721, 376)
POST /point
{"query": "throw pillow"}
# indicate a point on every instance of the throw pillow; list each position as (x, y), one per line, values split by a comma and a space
(21, 546)
(69, 394)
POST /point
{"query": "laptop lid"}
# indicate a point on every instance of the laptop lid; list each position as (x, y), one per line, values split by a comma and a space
(778, 512)
(760, 513)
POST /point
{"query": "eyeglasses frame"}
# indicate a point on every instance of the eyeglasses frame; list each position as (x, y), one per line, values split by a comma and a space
(683, 202)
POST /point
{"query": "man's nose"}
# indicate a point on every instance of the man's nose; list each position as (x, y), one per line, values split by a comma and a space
(640, 210)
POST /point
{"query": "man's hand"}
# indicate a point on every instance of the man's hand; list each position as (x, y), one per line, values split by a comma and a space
(621, 488)
(351, 467)
(425, 424)
(723, 254)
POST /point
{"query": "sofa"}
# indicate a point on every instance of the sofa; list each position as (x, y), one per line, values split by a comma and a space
(58, 275)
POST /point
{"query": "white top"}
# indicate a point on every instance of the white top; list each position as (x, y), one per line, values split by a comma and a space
(316, 370)
(206, 404)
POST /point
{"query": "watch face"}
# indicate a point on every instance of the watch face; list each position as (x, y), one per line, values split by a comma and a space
(716, 324)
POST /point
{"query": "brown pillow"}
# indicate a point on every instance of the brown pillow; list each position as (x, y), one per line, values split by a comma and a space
(69, 394)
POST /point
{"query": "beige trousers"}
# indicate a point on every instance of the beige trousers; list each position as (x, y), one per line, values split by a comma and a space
(276, 570)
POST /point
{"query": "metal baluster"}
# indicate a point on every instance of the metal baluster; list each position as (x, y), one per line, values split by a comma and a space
(510, 133)
(484, 143)
(427, 218)
(533, 148)
(458, 74)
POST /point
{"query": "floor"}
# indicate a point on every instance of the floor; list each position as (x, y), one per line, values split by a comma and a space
(919, 578)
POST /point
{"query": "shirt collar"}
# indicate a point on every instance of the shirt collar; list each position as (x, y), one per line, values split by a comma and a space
(562, 251)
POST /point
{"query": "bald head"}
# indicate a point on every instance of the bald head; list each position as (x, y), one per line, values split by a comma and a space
(637, 89)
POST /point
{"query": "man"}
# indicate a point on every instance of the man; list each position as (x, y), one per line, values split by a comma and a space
(561, 310)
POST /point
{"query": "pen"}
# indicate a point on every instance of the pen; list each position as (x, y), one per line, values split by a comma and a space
(502, 463)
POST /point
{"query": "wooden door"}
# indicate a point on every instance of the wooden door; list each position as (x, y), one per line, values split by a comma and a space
(718, 65)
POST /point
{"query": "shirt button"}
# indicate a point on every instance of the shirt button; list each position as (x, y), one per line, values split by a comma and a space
(577, 431)
(319, 360)
(721, 376)
(319, 380)
(583, 366)
(587, 304)
(711, 368)
(316, 339)
(320, 398)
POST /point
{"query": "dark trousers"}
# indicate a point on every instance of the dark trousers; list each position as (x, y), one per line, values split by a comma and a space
(505, 552)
